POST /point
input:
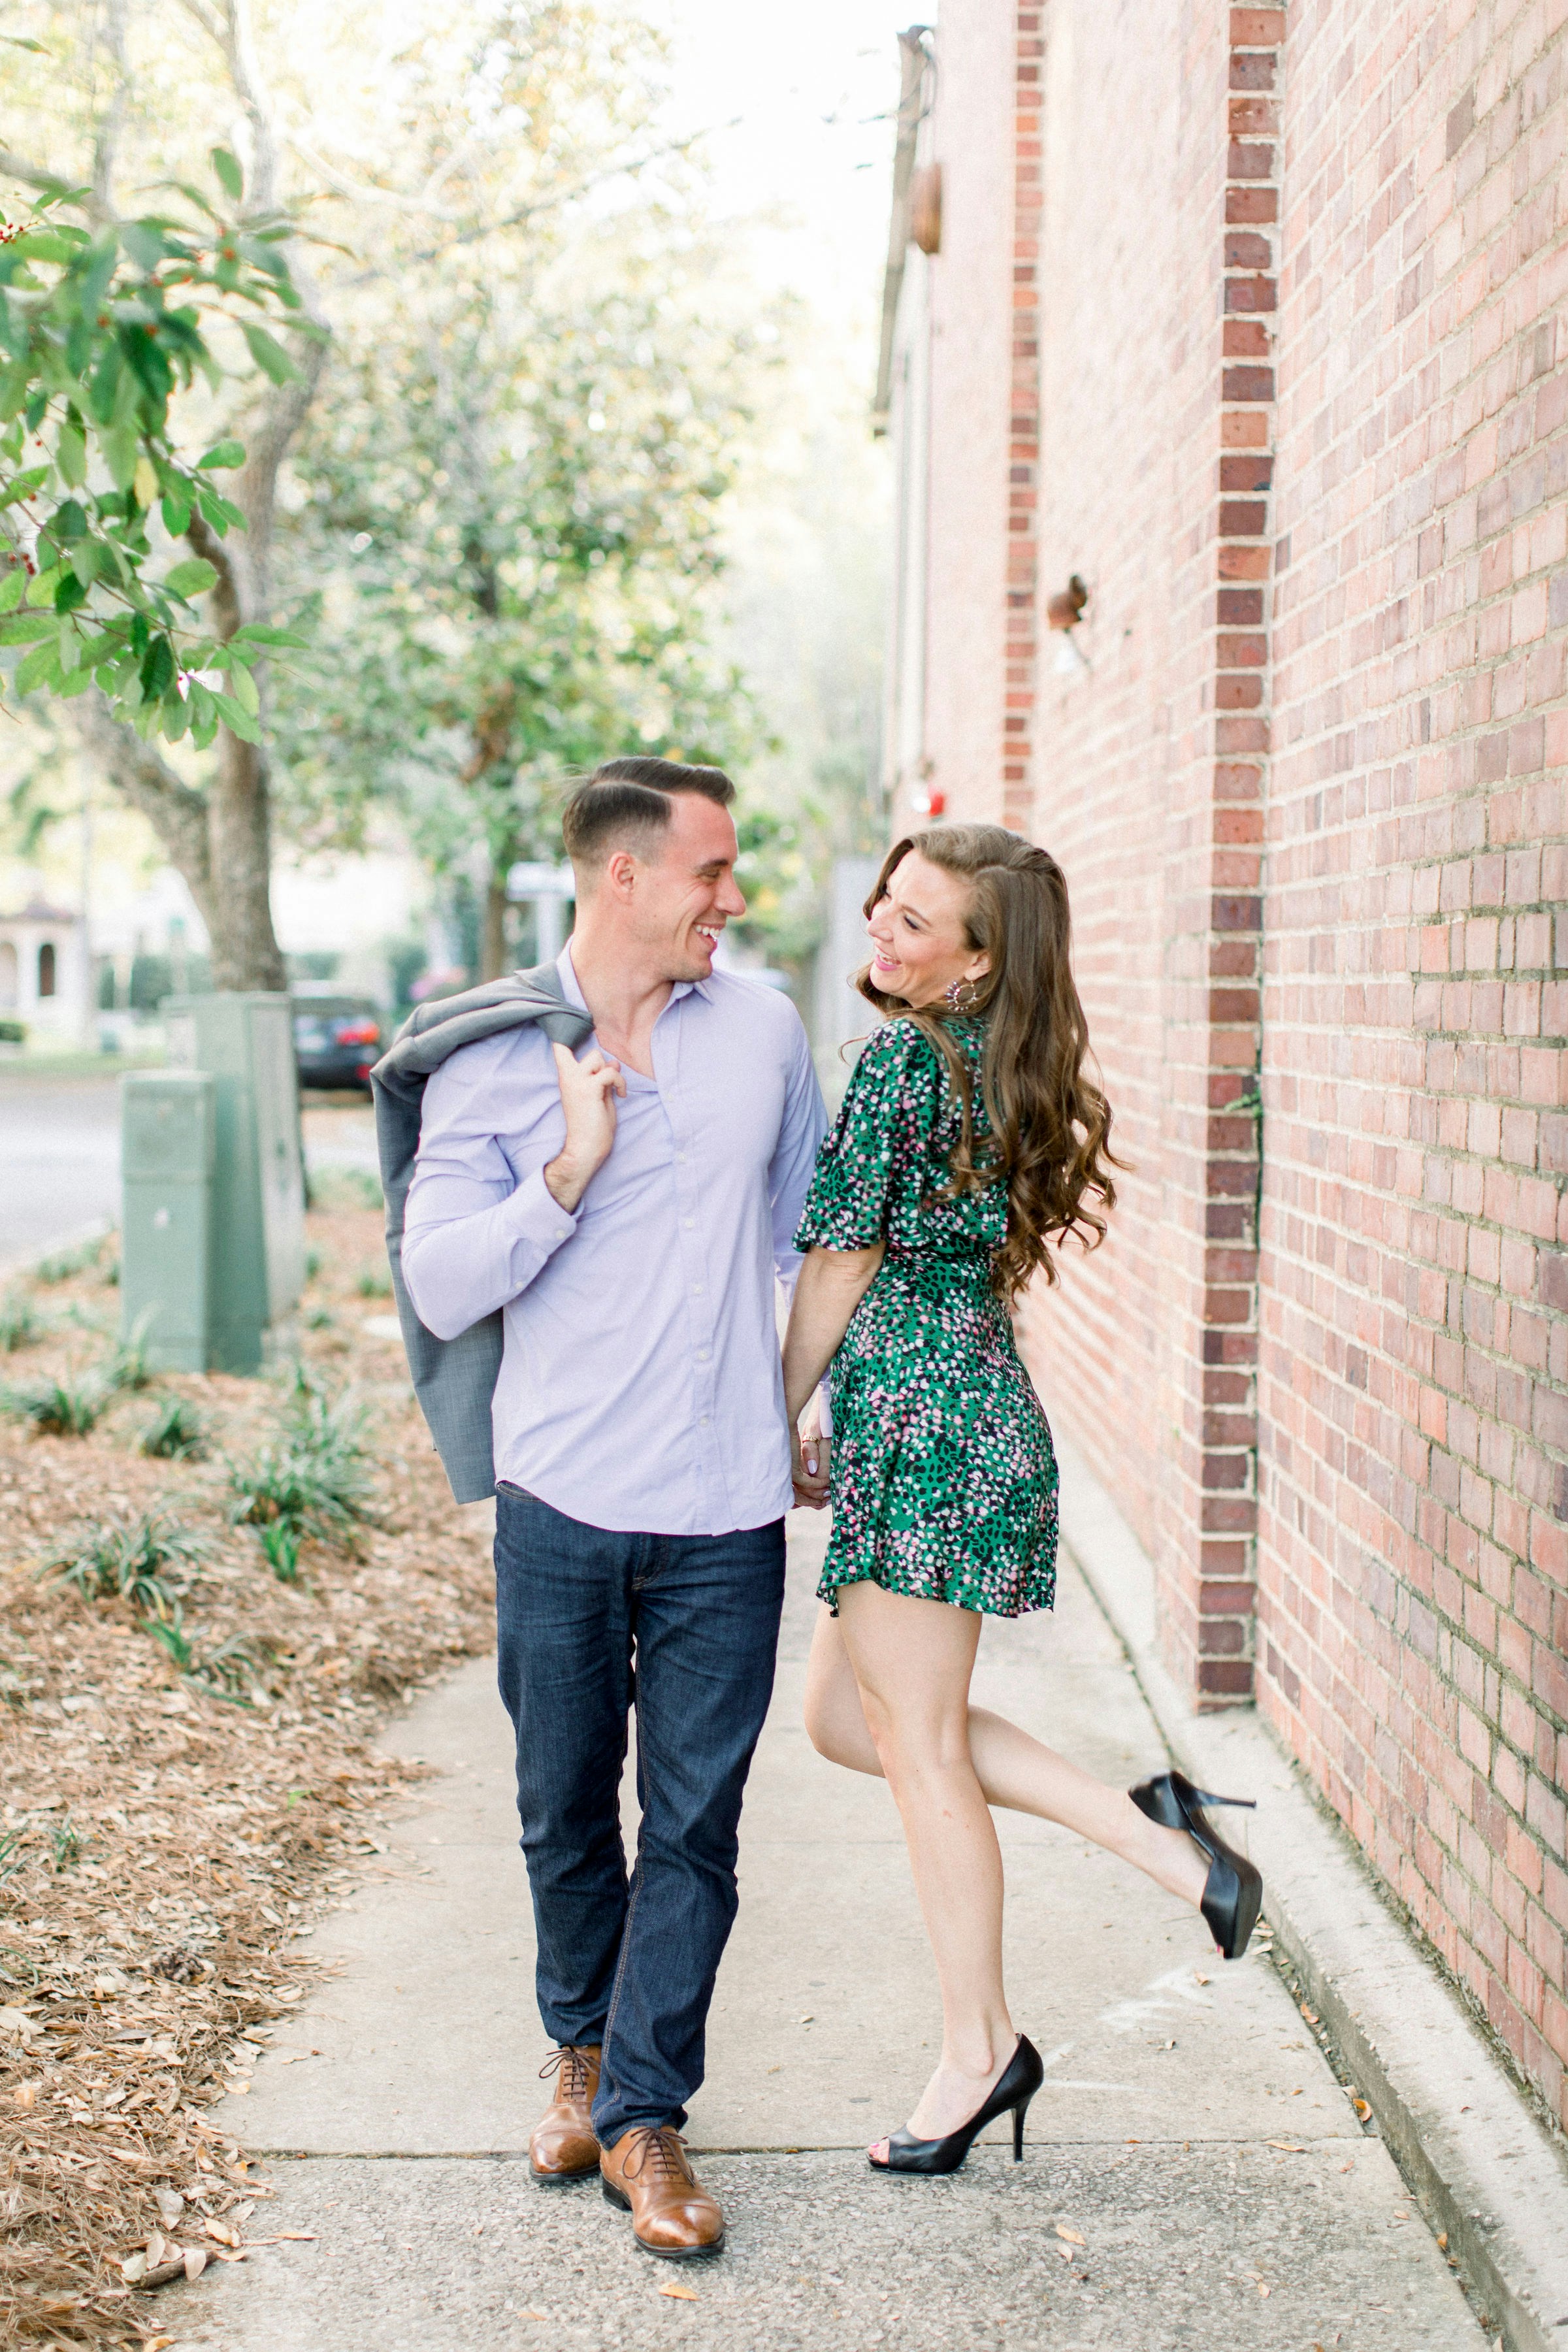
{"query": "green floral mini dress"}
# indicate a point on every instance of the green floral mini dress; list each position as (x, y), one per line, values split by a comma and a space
(944, 1478)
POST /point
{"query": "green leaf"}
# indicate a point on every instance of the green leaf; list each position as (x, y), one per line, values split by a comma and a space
(10, 586)
(191, 578)
(70, 456)
(242, 686)
(230, 176)
(44, 245)
(41, 591)
(157, 669)
(24, 485)
(258, 633)
(270, 356)
(176, 515)
(25, 627)
(239, 722)
(145, 242)
(69, 594)
(223, 453)
(42, 663)
(121, 447)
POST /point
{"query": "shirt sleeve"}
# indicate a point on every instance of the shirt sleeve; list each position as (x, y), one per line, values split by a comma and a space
(477, 1229)
(882, 1125)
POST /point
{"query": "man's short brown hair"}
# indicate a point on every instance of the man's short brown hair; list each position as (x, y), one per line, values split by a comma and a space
(625, 805)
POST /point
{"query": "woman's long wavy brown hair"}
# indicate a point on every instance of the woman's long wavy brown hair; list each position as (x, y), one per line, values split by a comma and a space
(1050, 1124)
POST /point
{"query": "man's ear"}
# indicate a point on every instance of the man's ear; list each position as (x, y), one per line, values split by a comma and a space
(620, 870)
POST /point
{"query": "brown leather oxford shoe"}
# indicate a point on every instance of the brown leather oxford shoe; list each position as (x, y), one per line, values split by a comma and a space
(649, 2173)
(562, 2145)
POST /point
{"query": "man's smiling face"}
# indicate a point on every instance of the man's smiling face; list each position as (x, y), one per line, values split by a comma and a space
(684, 891)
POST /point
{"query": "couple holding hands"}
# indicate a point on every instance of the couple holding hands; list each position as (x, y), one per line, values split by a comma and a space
(618, 1156)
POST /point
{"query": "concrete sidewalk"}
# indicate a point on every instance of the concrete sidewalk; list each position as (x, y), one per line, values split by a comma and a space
(1195, 2173)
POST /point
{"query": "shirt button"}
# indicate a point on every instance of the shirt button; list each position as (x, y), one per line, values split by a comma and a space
(681, 1157)
(688, 1222)
(697, 1290)
(704, 1421)
(702, 1355)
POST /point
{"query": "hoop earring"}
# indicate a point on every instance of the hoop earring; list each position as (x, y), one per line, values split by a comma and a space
(962, 996)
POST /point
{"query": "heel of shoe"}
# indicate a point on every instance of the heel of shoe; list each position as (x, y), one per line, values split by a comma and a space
(1019, 2114)
(1206, 1796)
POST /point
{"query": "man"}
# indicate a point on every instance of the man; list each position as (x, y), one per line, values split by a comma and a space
(627, 1209)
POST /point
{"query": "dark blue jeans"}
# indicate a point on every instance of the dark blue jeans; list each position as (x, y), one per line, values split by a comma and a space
(630, 1963)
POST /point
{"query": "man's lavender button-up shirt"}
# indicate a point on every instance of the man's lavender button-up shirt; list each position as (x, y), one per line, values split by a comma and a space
(640, 1386)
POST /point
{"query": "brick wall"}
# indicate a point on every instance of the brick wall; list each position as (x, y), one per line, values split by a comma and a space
(1296, 285)
(1414, 1406)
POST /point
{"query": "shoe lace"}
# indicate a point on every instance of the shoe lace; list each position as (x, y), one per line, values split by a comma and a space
(572, 2064)
(661, 2146)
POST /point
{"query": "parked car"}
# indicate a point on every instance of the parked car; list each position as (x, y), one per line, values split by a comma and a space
(336, 1038)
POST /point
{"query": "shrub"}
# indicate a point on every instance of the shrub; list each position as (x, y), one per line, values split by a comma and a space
(315, 1479)
(126, 1559)
(176, 1432)
(65, 1407)
(376, 1282)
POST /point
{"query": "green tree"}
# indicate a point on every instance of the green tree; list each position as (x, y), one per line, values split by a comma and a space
(110, 320)
(517, 522)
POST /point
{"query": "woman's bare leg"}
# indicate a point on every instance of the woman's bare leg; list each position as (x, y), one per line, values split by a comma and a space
(912, 1661)
(1013, 1771)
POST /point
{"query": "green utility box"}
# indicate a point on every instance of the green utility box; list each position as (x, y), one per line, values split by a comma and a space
(245, 1044)
(168, 1125)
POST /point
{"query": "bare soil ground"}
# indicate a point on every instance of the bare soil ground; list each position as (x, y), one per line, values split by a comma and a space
(177, 1806)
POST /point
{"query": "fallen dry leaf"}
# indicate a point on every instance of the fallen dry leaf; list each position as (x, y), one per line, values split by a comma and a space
(681, 2294)
(222, 2233)
(195, 2260)
(1288, 2146)
(1199, 1979)
(1071, 2236)
(1263, 2290)
(1361, 2108)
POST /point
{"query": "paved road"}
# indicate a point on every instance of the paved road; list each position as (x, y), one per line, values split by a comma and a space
(1195, 2175)
(59, 1155)
(59, 1160)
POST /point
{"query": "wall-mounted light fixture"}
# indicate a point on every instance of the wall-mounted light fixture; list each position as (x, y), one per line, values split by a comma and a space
(925, 208)
(1065, 609)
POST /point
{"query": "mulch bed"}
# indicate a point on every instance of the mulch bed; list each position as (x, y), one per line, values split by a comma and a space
(163, 1846)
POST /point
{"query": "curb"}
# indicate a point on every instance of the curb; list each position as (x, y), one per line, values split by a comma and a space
(1485, 2170)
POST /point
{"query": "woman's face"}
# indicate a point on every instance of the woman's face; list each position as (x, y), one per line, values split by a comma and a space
(919, 946)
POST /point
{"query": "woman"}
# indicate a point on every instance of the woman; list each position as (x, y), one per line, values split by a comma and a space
(969, 1139)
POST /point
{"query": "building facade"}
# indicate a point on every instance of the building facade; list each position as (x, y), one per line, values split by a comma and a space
(1228, 379)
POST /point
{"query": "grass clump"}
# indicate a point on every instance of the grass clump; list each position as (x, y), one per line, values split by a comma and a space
(315, 1478)
(66, 1265)
(128, 1367)
(176, 1432)
(130, 1560)
(376, 1282)
(21, 1325)
(67, 1406)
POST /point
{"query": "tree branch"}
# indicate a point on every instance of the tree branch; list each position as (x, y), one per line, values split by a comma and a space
(228, 614)
(177, 815)
(208, 24)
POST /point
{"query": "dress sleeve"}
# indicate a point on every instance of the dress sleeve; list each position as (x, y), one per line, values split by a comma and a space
(882, 1127)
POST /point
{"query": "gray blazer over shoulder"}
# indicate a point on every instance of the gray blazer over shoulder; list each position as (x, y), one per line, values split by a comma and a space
(454, 1379)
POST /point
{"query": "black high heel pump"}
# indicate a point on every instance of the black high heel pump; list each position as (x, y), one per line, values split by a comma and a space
(1022, 2077)
(1232, 1892)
